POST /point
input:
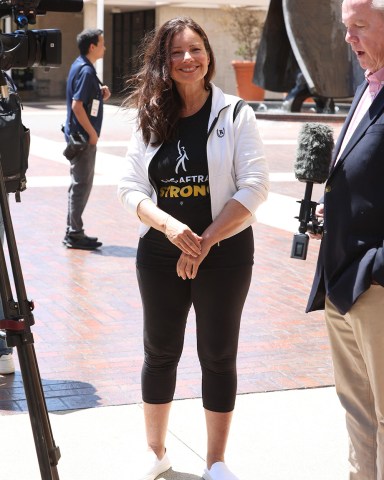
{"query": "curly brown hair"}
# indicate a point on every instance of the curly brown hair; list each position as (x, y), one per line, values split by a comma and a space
(152, 91)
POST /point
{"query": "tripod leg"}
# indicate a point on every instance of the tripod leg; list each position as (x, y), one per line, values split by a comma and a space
(19, 318)
(48, 454)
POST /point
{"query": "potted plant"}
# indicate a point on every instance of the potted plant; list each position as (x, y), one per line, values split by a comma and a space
(245, 25)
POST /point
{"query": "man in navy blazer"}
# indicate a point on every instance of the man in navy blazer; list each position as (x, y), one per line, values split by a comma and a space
(349, 278)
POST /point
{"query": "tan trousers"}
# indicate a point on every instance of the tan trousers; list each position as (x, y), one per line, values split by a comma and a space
(357, 342)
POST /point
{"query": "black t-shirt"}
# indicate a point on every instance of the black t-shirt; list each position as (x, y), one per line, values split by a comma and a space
(179, 172)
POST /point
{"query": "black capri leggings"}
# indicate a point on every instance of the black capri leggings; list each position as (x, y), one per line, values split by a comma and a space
(218, 297)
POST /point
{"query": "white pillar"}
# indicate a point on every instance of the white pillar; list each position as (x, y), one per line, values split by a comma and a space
(8, 24)
(8, 29)
(100, 24)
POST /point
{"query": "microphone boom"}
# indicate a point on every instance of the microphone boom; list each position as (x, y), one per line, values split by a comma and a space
(313, 159)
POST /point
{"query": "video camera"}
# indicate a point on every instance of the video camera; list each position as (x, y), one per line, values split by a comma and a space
(32, 48)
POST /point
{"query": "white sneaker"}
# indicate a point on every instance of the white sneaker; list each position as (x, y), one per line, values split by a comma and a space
(219, 471)
(152, 467)
(7, 365)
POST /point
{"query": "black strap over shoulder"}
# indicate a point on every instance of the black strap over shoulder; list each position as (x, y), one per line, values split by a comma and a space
(239, 105)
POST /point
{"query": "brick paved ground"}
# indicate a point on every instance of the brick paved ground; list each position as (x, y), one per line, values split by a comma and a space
(88, 313)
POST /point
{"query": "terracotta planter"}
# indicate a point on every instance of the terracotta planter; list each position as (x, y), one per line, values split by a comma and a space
(246, 89)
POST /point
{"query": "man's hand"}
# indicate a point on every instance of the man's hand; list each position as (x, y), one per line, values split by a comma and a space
(319, 212)
(105, 92)
(93, 138)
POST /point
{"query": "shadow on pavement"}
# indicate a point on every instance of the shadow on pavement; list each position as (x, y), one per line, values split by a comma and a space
(116, 251)
(173, 475)
(60, 395)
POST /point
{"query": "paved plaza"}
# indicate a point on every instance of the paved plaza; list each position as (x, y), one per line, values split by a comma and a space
(88, 328)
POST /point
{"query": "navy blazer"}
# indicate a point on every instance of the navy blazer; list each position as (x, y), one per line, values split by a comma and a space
(352, 248)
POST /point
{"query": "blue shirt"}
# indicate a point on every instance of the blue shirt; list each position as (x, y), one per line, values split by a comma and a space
(83, 85)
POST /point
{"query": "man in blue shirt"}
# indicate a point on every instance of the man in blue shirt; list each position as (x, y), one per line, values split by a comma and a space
(85, 96)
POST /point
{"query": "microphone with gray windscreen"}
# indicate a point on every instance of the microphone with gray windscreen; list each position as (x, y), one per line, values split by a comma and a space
(313, 160)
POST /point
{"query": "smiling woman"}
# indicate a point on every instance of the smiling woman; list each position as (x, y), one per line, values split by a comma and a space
(184, 52)
(189, 66)
(195, 175)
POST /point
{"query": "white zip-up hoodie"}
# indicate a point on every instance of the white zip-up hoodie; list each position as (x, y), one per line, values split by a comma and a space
(237, 166)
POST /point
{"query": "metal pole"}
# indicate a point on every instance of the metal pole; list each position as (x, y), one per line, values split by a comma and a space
(100, 24)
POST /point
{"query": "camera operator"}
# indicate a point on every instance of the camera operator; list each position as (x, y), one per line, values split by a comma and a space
(85, 97)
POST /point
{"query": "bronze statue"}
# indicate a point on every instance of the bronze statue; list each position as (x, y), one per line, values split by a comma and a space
(304, 39)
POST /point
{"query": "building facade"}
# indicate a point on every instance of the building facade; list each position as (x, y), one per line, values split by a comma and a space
(124, 24)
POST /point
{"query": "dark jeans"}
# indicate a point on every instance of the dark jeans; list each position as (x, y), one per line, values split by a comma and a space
(218, 297)
(82, 172)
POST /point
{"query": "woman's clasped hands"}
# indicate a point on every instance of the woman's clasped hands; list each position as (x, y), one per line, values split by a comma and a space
(187, 265)
(191, 246)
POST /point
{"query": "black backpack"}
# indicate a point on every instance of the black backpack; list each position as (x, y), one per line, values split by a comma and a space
(14, 138)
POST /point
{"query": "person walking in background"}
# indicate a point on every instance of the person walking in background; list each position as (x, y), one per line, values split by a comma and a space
(7, 364)
(195, 175)
(349, 279)
(85, 96)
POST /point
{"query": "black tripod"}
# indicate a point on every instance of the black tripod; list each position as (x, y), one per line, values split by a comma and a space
(18, 320)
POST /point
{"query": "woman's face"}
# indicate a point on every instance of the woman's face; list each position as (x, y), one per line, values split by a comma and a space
(189, 58)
